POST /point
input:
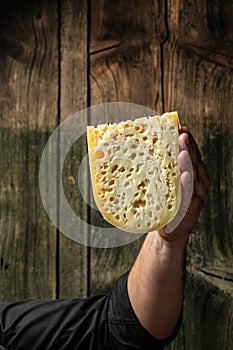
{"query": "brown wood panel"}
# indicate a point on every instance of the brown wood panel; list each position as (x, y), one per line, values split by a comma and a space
(208, 310)
(200, 87)
(163, 55)
(204, 27)
(125, 66)
(207, 315)
(125, 52)
(73, 259)
(28, 113)
(198, 83)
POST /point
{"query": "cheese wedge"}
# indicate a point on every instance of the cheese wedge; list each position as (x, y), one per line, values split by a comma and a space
(135, 172)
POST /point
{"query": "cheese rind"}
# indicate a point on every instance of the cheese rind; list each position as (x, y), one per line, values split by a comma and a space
(135, 173)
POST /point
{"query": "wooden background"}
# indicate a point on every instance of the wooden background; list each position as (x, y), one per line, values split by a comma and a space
(57, 57)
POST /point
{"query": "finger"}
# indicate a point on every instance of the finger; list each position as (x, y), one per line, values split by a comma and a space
(187, 188)
(184, 160)
(183, 129)
(186, 196)
(185, 179)
(183, 141)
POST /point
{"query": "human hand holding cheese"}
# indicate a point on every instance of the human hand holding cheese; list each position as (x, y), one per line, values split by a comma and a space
(135, 173)
(193, 179)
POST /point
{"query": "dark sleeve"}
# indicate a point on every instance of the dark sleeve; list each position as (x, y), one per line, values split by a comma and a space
(72, 324)
(101, 322)
(126, 332)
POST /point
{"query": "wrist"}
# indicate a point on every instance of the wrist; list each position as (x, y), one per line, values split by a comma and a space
(169, 255)
(170, 242)
(176, 237)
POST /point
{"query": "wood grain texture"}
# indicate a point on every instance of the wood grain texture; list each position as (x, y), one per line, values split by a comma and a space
(125, 52)
(207, 316)
(56, 57)
(29, 57)
(201, 89)
(125, 66)
(198, 83)
(213, 315)
(204, 27)
(73, 257)
(28, 114)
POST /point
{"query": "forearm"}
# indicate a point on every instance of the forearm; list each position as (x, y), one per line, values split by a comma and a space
(156, 284)
(156, 280)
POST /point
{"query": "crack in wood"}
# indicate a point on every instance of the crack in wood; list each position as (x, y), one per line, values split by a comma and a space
(223, 275)
(104, 46)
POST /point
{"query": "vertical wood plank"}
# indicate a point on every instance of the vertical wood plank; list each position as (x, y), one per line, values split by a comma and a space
(164, 55)
(125, 52)
(198, 83)
(28, 113)
(208, 314)
(73, 259)
(125, 66)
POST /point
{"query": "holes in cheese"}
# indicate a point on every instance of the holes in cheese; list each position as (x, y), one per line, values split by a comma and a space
(135, 173)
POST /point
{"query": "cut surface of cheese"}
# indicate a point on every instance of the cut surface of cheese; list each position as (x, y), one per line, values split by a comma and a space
(134, 171)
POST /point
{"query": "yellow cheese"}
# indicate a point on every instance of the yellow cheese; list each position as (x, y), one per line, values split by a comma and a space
(134, 171)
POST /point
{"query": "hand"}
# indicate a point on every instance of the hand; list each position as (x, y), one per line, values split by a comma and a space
(195, 181)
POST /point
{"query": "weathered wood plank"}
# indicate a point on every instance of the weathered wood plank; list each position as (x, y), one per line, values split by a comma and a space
(73, 257)
(177, 56)
(28, 85)
(207, 315)
(205, 28)
(213, 315)
(198, 83)
(125, 52)
(125, 66)
(202, 92)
